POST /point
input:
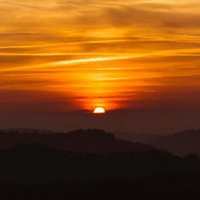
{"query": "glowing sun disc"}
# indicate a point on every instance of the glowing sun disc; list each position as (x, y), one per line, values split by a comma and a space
(99, 110)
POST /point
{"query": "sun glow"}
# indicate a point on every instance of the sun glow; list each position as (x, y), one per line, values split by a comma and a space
(99, 110)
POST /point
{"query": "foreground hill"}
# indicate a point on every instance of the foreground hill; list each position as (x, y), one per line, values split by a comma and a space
(78, 141)
(40, 164)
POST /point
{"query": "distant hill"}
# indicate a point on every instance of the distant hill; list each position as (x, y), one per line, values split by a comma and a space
(136, 137)
(180, 143)
(78, 141)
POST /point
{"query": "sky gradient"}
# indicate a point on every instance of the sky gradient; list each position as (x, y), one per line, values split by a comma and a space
(140, 60)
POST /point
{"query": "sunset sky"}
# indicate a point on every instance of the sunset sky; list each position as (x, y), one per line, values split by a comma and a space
(139, 59)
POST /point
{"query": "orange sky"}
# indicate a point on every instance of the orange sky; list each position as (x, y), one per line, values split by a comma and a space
(68, 55)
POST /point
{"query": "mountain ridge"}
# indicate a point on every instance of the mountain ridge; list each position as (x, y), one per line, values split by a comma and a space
(92, 141)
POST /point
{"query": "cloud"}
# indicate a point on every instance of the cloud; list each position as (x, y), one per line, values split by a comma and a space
(116, 53)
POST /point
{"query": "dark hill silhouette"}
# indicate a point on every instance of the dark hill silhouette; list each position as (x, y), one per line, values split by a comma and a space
(78, 141)
(36, 163)
(41, 171)
(180, 143)
(37, 171)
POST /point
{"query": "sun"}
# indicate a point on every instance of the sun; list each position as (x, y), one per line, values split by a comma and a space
(99, 110)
